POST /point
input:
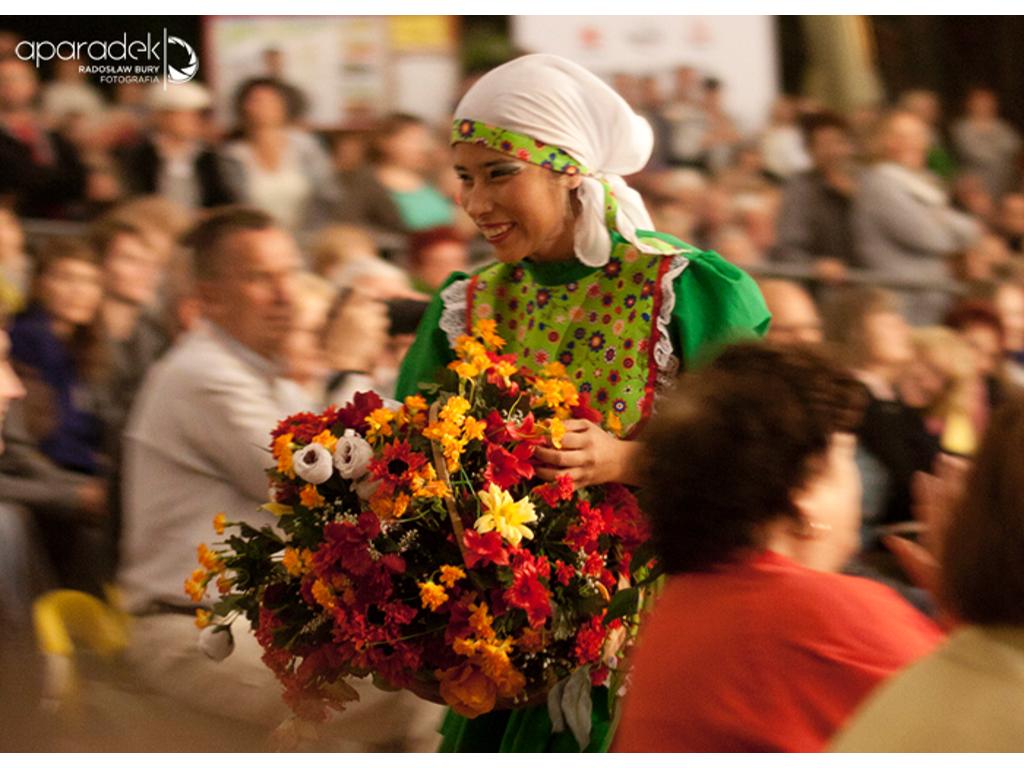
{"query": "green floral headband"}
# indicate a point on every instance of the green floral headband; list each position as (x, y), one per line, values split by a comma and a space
(530, 150)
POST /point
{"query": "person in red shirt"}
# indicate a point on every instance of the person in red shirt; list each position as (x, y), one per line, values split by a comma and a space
(757, 643)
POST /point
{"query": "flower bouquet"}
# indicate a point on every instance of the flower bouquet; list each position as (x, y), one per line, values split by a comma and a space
(415, 544)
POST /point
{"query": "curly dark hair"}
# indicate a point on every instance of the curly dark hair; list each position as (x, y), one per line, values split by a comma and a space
(728, 449)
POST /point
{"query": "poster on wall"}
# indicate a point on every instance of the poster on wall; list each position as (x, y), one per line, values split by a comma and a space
(740, 51)
(351, 69)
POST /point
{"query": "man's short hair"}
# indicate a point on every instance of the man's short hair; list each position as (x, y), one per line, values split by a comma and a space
(819, 121)
(106, 230)
(207, 237)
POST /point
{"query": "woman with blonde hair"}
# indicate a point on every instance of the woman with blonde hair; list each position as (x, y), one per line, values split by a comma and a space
(942, 380)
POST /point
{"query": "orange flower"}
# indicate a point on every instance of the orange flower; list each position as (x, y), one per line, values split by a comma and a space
(219, 521)
(203, 618)
(415, 403)
(401, 505)
(487, 330)
(467, 690)
(224, 584)
(292, 561)
(310, 497)
(557, 429)
(451, 574)
(208, 559)
(432, 595)
(195, 585)
(614, 424)
(282, 451)
(480, 621)
(323, 595)
(379, 422)
(473, 429)
(532, 640)
(326, 439)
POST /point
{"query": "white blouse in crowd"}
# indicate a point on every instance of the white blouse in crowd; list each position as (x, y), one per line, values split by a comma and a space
(285, 192)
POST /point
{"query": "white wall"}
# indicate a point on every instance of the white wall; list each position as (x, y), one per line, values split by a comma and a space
(738, 50)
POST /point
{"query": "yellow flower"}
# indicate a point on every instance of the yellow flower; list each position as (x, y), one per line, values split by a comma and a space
(505, 369)
(473, 429)
(401, 505)
(379, 422)
(466, 348)
(415, 403)
(219, 521)
(323, 595)
(277, 509)
(507, 517)
(614, 423)
(326, 439)
(554, 370)
(454, 410)
(282, 451)
(465, 646)
(488, 331)
(425, 484)
(203, 618)
(451, 574)
(432, 595)
(557, 431)
(292, 561)
(465, 369)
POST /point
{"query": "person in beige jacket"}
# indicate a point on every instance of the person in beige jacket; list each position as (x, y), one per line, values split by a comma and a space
(196, 445)
(968, 696)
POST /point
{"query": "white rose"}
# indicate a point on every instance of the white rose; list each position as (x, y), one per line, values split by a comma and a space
(352, 455)
(313, 464)
(216, 642)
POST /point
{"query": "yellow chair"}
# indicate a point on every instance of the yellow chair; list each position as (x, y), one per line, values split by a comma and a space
(66, 622)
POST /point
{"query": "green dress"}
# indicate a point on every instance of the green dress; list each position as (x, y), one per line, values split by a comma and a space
(622, 331)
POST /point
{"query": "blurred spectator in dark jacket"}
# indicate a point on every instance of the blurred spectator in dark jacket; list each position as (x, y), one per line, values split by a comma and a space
(41, 173)
(173, 161)
(1011, 221)
(815, 225)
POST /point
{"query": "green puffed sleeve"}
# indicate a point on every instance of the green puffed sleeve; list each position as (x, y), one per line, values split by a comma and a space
(716, 303)
(431, 351)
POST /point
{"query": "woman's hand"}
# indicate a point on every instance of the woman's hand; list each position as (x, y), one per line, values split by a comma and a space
(589, 456)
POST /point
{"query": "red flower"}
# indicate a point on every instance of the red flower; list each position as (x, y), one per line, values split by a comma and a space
(484, 548)
(505, 468)
(586, 530)
(564, 573)
(583, 409)
(552, 493)
(353, 415)
(397, 463)
(303, 426)
(527, 591)
(589, 641)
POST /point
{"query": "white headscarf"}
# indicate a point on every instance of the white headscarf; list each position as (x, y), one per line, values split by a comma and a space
(560, 103)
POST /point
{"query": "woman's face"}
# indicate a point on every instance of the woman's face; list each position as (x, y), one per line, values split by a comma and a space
(523, 210)
(264, 106)
(71, 290)
(888, 338)
(923, 383)
(411, 147)
(830, 504)
(134, 270)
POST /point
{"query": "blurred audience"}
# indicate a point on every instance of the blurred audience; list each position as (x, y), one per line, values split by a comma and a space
(172, 160)
(966, 696)
(43, 174)
(795, 317)
(56, 462)
(195, 443)
(985, 143)
(275, 165)
(815, 225)
(757, 643)
(904, 227)
(434, 254)
(396, 192)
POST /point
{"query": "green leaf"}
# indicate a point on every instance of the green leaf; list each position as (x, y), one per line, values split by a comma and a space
(624, 603)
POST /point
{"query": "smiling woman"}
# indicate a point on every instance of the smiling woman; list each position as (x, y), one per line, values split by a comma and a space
(581, 281)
